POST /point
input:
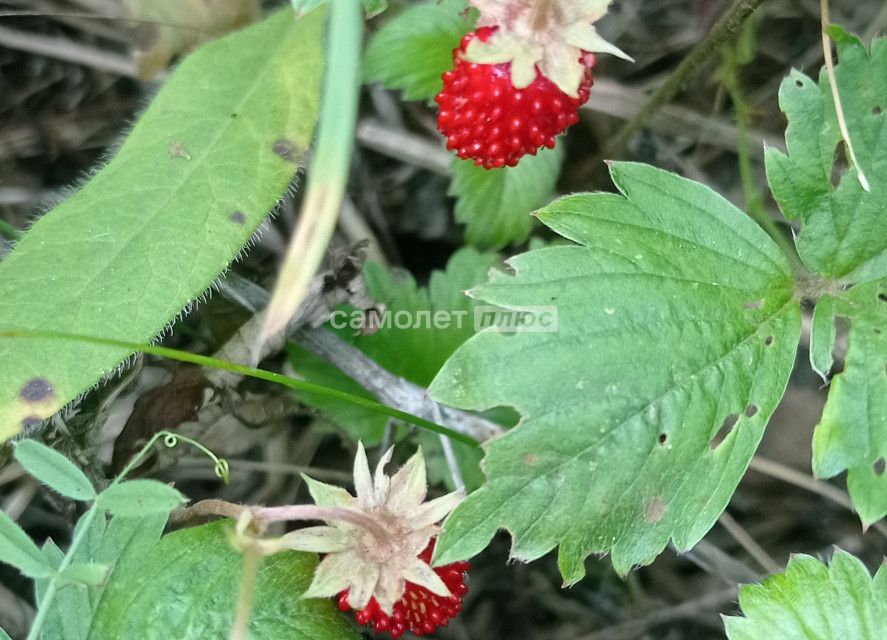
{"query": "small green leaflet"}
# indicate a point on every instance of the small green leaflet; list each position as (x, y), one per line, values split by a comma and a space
(844, 232)
(17, 549)
(676, 319)
(413, 50)
(810, 601)
(186, 588)
(151, 231)
(416, 354)
(495, 204)
(140, 497)
(54, 470)
(843, 240)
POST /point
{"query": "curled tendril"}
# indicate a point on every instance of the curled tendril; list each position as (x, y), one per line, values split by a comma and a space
(170, 440)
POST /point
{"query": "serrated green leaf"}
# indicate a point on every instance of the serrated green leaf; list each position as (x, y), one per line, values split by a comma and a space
(18, 550)
(54, 470)
(412, 51)
(810, 601)
(135, 498)
(187, 588)
(844, 232)
(89, 574)
(843, 239)
(415, 354)
(852, 434)
(497, 204)
(151, 231)
(676, 316)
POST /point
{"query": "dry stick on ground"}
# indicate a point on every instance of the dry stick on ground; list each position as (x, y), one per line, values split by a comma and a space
(701, 53)
(747, 542)
(384, 385)
(807, 482)
(68, 51)
(388, 388)
(689, 609)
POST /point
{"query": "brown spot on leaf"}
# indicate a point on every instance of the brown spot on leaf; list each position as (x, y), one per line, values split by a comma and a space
(879, 466)
(751, 410)
(768, 340)
(663, 438)
(37, 390)
(238, 217)
(654, 510)
(286, 149)
(531, 458)
(754, 304)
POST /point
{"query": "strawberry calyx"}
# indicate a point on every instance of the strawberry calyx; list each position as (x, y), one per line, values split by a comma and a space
(419, 611)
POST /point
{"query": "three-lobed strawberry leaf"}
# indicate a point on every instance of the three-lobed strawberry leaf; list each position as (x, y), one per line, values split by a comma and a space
(843, 240)
(676, 333)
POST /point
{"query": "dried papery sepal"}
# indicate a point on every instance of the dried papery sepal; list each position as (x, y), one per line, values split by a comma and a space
(548, 35)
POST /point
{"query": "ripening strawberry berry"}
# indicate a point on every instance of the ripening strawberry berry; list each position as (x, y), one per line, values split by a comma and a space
(486, 118)
(419, 611)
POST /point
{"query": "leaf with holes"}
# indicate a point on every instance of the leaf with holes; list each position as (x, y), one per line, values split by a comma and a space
(852, 434)
(844, 241)
(675, 319)
(187, 588)
(844, 228)
(412, 51)
(150, 232)
(810, 601)
(495, 203)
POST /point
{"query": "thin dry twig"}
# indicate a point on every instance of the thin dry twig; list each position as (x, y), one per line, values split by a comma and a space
(808, 483)
(387, 387)
(701, 53)
(747, 542)
(68, 51)
(836, 96)
(689, 609)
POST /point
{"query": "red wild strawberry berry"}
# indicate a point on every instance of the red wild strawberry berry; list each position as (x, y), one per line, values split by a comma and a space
(419, 611)
(486, 118)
